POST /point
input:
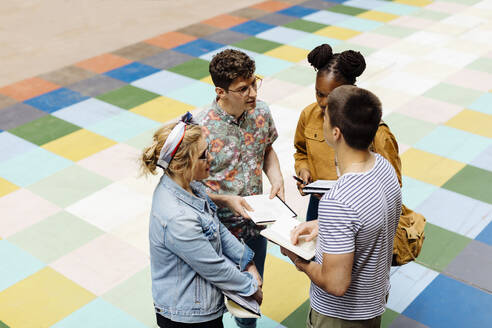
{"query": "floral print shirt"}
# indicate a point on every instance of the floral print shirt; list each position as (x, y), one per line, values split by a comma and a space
(238, 148)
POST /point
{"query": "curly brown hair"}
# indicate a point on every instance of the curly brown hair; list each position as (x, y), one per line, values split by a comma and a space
(228, 65)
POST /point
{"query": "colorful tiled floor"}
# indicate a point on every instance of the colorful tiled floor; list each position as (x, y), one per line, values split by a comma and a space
(74, 212)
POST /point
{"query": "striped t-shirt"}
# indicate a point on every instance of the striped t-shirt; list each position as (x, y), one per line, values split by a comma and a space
(359, 214)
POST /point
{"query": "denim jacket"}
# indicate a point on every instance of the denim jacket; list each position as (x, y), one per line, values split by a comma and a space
(187, 248)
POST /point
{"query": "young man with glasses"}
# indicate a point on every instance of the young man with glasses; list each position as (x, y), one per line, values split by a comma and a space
(240, 131)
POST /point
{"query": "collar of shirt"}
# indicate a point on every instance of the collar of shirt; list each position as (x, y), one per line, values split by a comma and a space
(225, 116)
(200, 202)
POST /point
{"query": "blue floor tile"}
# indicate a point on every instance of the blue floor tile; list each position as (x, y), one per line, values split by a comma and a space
(450, 303)
(486, 235)
(282, 34)
(123, 126)
(198, 47)
(55, 100)
(99, 314)
(398, 9)
(131, 72)
(252, 27)
(365, 4)
(327, 17)
(11, 146)
(163, 82)
(32, 166)
(297, 11)
(17, 264)
(455, 212)
(484, 159)
(454, 143)
(87, 112)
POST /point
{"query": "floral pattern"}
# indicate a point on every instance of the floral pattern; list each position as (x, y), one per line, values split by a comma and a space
(238, 149)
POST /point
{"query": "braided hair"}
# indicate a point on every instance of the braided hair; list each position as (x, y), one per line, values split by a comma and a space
(346, 66)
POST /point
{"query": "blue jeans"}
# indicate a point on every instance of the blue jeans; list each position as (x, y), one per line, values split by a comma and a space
(259, 246)
(312, 211)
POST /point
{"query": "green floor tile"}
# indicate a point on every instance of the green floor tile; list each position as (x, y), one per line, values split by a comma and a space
(453, 94)
(298, 317)
(142, 140)
(482, 65)
(366, 51)
(257, 45)
(44, 129)
(134, 296)
(3, 325)
(297, 74)
(388, 317)
(394, 31)
(473, 182)
(347, 10)
(69, 185)
(55, 236)
(440, 247)
(430, 14)
(408, 130)
(305, 25)
(196, 68)
(127, 97)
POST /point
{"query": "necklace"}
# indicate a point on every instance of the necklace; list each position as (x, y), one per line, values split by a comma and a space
(355, 167)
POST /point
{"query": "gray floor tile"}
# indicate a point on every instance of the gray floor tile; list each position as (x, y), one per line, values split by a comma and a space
(276, 19)
(249, 13)
(405, 322)
(6, 101)
(138, 51)
(473, 265)
(199, 30)
(166, 59)
(227, 37)
(67, 75)
(96, 85)
(318, 4)
(18, 114)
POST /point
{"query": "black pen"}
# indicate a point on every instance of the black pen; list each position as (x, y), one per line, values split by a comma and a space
(298, 179)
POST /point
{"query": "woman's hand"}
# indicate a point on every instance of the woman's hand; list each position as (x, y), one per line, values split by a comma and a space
(306, 228)
(258, 295)
(251, 268)
(236, 204)
(305, 176)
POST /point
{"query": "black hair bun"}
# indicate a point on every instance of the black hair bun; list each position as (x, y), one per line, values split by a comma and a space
(320, 56)
(351, 63)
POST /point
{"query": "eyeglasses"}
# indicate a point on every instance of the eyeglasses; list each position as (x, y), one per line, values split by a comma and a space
(204, 155)
(244, 91)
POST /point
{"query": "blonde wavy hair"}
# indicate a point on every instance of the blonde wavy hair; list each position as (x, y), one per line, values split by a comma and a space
(182, 163)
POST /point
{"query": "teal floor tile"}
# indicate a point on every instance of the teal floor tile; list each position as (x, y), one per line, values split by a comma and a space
(483, 104)
(267, 66)
(312, 41)
(32, 166)
(359, 24)
(297, 74)
(264, 321)
(414, 191)
(196, 94)
(398, 9)
(123, 126)
(99, 314)
(453, 94)
(454, 144)
(17, 264)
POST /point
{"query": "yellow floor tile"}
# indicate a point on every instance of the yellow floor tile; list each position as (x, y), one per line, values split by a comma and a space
(377, 16)
(472, 121)
(6, 187)
(428, 167)
(41, 299)
(282, 296)
(208, 80)
(289, 53)
(420, 3)
(79, 144)
(162, 109)
(336, 32)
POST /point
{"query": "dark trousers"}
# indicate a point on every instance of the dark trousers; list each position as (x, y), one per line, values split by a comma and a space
(167, 323)
(312, 211)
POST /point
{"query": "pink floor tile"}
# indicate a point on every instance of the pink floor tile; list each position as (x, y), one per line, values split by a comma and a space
(430, 110)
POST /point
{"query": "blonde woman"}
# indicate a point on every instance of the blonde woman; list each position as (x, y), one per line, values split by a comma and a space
(187, 241)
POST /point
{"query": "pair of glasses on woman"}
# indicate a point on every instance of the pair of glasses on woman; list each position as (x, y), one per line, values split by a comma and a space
(245, 90)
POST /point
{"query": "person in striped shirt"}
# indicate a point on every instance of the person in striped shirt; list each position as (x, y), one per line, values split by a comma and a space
(357, 219)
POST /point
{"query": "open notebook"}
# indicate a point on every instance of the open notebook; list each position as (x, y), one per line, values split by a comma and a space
(268, 210)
